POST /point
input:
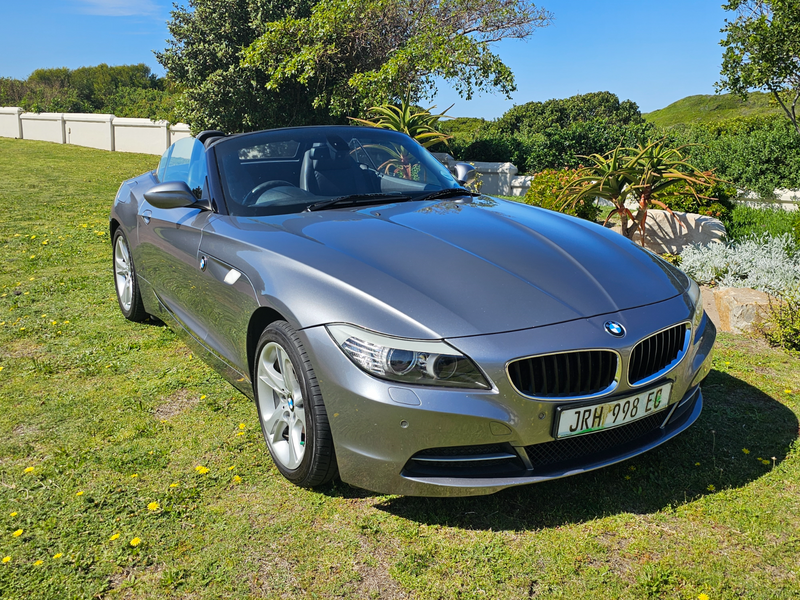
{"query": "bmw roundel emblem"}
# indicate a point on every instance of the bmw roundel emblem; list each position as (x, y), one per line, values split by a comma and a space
(614, 328)
(202, 263)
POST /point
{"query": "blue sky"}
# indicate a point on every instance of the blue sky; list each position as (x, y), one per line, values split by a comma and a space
(648, 51)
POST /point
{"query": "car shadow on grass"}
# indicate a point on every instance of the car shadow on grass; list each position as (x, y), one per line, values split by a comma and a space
(741, 434)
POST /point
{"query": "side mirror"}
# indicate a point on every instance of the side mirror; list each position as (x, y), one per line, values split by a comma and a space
(172, 194)
(465, 173)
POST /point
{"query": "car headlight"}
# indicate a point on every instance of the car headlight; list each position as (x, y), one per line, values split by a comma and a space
(420, 362)
(696, 298)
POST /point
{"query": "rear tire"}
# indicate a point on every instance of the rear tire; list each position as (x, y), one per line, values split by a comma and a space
(128, 295)
(290, 408)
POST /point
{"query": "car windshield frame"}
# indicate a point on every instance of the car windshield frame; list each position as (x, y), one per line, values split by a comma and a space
(284, 171)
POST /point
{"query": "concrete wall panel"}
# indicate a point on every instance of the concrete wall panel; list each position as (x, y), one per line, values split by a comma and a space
(141, 135)
(93, 131)
(46, 127)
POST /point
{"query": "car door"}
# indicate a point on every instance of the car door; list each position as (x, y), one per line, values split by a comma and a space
(169, 239)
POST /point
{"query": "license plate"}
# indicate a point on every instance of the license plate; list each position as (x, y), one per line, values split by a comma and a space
(606, 415)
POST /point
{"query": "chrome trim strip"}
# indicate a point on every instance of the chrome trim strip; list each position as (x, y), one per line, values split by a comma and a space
(647, 380)
(608, 390)
(465, 458)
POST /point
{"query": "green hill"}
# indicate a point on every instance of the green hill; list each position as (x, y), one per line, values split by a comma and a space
(712, 108)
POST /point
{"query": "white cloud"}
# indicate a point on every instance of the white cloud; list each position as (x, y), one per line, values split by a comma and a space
(119, 8)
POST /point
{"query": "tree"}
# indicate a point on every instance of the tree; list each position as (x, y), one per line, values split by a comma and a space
(762, 51)
(352, 54)
(204, 59)
(535, 117)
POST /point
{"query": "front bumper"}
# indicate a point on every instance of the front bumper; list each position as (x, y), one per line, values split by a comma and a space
(379, 426)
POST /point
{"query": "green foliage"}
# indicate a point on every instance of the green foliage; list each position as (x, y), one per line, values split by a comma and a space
(352, 54)
(554, 134)
(762, 51)
(782, 326)
(219, 92)
(758, 153)
(745, 221)
(126, 91)
(419, 124)
(546, 189)
(561, 113)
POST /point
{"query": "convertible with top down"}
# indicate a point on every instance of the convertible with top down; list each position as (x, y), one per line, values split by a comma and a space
(398, 330)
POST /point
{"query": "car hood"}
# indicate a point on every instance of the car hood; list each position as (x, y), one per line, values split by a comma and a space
(455, 269)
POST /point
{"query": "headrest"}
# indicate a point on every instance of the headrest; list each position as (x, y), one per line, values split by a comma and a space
(319, 152)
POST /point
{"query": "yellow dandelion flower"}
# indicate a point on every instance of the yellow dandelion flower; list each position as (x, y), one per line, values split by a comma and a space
(6, 559)
(237, 479)
(711, 487)
(231, 468)
(135, 542)
(696, 464)
(57, 555)
(33, 237)
(240, 433)
(79, 493)
(764, 461)
(201, 469)
(153, 506)
(173, 485)
(14, 514)
(33, 256)
(203, 397)
(39, 562)
(17, 533)
(66, 322)
(134, 475)
(787, 391)
(632, 468)
(627, 476)
(242, 425)
(745, 450)
(702, 597)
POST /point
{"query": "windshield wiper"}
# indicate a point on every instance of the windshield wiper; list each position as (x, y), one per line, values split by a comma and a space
(448, 193)
(355, 199)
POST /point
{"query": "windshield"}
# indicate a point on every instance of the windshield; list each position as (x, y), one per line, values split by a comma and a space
(287, 170)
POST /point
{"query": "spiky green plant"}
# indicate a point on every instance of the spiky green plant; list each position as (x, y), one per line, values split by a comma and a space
(649, 174)
(417, 123)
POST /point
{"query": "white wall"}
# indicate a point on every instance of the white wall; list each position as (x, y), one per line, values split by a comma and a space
(105, 132)
(47, 127)
(10, 125)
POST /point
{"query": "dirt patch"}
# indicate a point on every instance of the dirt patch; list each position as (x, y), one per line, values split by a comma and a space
(179, 402)
(24, 430)
(375, 580)
(118, 581)
(21, 349)
(274, 577)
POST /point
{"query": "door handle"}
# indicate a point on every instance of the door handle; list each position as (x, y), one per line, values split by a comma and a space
(146, 216)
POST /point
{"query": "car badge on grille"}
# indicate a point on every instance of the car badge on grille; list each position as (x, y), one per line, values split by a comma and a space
(614, 328)
(202, 263)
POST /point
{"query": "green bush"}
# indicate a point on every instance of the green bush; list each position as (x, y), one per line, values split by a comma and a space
(546, 188)
(757, 153)
(715, 201)
(745, 221)
(782, 326)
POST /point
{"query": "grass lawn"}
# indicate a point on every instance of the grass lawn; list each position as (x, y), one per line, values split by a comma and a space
(129, 469)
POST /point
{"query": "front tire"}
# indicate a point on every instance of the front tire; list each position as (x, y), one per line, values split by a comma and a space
(128, 295)
(290, 408)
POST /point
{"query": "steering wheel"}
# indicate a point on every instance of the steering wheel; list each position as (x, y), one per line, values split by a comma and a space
(254, 194)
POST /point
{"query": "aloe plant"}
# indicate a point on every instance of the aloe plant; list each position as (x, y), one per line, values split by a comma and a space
(417, 123)
(650, 174)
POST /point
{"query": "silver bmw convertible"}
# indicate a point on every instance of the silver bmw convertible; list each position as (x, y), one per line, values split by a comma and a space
(399, 331)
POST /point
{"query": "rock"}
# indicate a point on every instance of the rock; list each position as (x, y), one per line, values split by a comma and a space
(665, 235)
(740, 309)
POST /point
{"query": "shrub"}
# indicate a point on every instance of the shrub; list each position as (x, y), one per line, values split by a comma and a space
(546, 188)
(766, 263)
(782, 327)
(744, 221)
